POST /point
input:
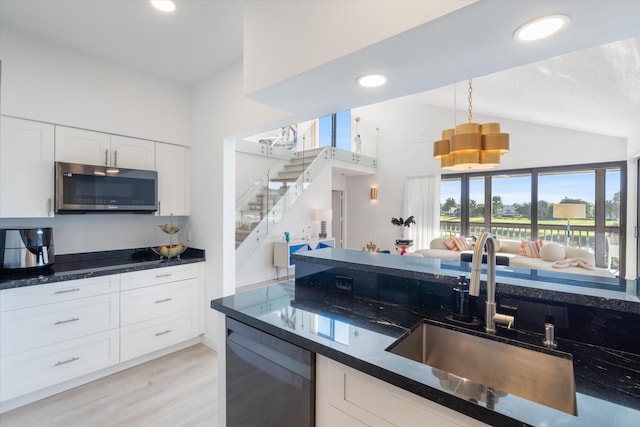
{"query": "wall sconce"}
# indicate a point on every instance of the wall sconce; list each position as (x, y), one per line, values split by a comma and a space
(373, 193)
(322, 215)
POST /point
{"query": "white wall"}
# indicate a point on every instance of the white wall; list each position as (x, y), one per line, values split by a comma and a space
(404, 151)
(220, 113)
(46, 82)
(42, 81)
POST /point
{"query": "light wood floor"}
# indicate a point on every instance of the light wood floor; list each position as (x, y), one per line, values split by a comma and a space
(175, 390)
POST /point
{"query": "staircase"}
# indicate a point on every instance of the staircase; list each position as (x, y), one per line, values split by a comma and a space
(259, 205)
(269, 199)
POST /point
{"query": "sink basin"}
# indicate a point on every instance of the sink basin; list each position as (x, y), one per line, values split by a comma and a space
(545, 378)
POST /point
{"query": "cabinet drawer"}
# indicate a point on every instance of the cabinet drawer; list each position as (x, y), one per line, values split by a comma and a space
(34, 327)
(29, 296)
(157, 301)
(146, 337)
(33, 370)
(158, 276)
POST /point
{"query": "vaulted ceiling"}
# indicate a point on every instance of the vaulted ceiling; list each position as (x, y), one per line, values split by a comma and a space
(596, 89)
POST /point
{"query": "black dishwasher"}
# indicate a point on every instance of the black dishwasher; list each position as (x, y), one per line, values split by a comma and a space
(270, 382)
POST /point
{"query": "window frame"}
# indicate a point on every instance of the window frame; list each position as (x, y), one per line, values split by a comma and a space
(600, 227)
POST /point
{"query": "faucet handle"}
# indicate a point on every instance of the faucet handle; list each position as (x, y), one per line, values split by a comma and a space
(504, 319)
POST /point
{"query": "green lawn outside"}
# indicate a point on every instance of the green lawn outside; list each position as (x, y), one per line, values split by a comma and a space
(527, 221)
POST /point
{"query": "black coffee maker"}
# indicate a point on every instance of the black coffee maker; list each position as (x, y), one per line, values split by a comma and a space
(26, 248)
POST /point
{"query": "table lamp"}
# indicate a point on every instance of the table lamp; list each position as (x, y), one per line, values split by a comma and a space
(569, 211)
(322, 215)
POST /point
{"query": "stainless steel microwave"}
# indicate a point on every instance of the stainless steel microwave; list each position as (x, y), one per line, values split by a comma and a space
(87, 188)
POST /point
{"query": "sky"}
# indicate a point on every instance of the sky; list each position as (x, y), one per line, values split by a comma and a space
(551, 188)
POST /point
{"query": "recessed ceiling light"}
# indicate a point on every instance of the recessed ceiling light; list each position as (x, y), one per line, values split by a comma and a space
(164, 5)
(372, 80)
(541, 28)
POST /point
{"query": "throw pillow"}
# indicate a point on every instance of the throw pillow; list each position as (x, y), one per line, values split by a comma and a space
(462, 244)
(552, 252)
(531, 249)
(451, 243)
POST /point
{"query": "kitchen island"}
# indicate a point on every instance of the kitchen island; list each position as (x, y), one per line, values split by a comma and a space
(377, 298)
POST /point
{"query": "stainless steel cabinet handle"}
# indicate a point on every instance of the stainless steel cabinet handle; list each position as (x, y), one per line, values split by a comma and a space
(163, 332)
(159, 208)
(49, 211)
(115, 158)
(60, 322)
(64, 362)
(163, 275)
(163, 300)
(65, 291)
(106, 157)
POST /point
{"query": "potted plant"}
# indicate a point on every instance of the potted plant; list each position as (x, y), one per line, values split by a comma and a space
(401, 223)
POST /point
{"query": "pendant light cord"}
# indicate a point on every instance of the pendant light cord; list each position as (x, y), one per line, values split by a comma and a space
(470, 116)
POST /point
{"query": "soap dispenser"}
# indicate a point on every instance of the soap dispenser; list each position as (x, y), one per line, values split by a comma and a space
(461, 300)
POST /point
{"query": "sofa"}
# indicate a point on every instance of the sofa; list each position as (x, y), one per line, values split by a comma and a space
(537, 255)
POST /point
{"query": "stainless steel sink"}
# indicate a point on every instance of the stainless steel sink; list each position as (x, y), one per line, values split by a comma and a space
(534, 375)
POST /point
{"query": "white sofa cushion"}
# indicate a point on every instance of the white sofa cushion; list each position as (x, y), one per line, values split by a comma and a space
(439, 254)
(510, 246)
(552, 252)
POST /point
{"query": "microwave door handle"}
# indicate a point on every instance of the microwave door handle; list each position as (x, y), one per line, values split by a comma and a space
(115, 158)
(106, 157)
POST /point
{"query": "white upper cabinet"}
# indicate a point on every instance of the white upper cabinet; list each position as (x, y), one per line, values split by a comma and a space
(171, 164)
(133, 153)
(82, 146)
(96, 148)
(26, 168)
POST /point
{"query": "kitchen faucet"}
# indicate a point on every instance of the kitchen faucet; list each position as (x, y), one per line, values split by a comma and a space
(491, 318)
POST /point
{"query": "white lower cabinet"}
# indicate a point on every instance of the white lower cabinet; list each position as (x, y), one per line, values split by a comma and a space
(347, 397)
(146, 337)
(33, 370)
(159, 308)
(57, 332)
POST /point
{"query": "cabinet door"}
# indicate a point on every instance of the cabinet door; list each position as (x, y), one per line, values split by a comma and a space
(343, 393)
(132, 153)
(172, 180)
(82, 146)
(26, 168)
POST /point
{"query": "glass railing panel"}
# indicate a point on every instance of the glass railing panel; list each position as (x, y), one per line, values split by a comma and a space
(281, 195)
(367, 161)
(345, 156)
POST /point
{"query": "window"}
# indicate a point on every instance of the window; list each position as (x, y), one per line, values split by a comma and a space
(511, 206)
(518, 205)
(335, 130)
(450, 196)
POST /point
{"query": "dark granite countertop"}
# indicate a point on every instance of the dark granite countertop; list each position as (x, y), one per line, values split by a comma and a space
(93, 264)
(556, 286)
(356, 331)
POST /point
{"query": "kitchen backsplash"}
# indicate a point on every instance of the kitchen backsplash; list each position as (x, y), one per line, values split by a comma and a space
(99, 232)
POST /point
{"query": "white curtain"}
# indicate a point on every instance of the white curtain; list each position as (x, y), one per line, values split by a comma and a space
(422, 200)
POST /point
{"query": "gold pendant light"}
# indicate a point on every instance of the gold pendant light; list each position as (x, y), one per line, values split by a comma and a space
(471, 146)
